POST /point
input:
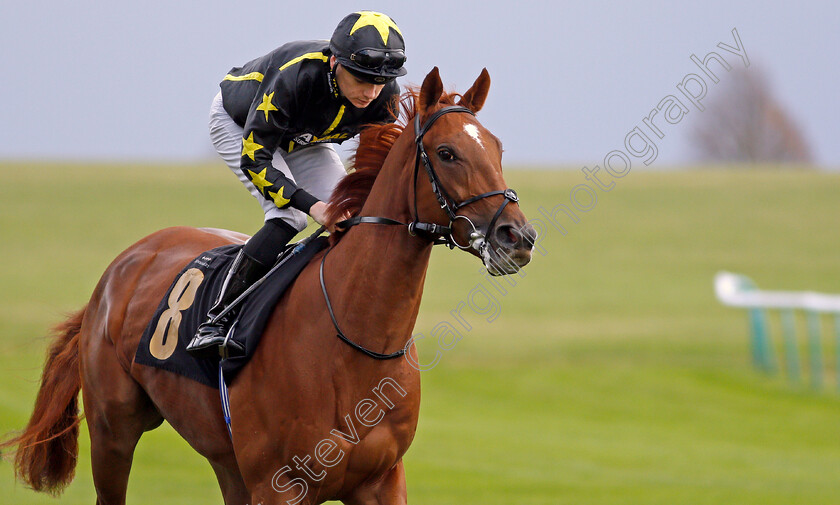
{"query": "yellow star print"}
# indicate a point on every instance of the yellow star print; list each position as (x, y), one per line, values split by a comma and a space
(278, 198)
(377, 20)
(259, 179)
(266, 105)
(249, 147)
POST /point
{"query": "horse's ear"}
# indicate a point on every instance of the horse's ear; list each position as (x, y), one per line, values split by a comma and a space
(474, 98)
(431, 90)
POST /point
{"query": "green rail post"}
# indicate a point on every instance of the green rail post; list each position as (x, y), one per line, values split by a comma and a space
(791, 351)
(815, 351)
(837, 349)
(762, 353)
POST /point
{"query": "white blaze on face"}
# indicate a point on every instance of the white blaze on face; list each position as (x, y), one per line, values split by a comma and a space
(472, 131)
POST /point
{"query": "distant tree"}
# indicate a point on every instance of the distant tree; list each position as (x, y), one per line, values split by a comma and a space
(744, 123)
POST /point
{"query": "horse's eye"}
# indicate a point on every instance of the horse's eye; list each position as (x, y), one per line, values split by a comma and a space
(445, 154)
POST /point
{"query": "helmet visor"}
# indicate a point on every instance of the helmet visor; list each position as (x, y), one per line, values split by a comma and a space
(369, 78)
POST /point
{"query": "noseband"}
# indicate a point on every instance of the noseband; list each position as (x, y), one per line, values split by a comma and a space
(441, 234)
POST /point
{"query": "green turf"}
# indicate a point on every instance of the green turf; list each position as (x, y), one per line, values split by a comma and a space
(610, 376)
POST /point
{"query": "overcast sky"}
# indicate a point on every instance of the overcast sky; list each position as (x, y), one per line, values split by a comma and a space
(133, 80)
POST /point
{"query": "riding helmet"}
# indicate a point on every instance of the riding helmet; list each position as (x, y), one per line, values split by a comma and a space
(369, 45)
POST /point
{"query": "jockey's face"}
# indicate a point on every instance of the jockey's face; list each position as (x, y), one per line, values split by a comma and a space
(357, 91)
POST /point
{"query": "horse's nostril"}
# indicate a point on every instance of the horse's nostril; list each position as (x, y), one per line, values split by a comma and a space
(513, 237)
(508, 236)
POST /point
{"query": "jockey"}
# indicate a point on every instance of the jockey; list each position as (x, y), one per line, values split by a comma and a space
(274, 123)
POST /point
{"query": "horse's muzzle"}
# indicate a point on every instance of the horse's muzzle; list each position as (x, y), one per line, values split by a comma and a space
(508, 249)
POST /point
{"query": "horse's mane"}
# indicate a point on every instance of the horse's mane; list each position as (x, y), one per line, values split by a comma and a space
(375, 141)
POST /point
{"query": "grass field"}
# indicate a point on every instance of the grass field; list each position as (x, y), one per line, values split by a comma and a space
(611, 375)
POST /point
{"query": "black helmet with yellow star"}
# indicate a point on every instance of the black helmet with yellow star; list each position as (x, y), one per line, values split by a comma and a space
(369, 45)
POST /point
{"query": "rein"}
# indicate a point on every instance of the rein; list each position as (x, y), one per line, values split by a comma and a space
(340, 334)
(478, 240)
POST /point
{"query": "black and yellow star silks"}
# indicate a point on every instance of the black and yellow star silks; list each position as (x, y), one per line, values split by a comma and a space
(259, 179)
(266, 105)
(279, 201)
(249, 147)
(278, 108)
(263, 185)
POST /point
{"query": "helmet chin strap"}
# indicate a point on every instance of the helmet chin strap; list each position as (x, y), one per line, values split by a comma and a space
(332, 77)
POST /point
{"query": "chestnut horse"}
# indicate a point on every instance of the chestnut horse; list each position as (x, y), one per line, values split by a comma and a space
(313, 419)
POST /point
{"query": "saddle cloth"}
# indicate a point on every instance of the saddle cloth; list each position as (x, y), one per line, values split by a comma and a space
(193, 292)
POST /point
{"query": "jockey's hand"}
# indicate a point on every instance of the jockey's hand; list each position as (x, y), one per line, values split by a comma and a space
(318, 211)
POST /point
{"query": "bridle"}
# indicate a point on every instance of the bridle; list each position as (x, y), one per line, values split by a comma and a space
(443, 198)
(441, 235)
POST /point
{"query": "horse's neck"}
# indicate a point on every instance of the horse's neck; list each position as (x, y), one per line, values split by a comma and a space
(383, 269)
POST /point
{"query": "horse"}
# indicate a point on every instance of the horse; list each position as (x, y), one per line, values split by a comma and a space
(313, 418)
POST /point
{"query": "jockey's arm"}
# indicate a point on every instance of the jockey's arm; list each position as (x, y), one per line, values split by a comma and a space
(261, 138)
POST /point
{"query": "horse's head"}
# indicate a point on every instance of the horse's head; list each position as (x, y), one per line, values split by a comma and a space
(458, 178)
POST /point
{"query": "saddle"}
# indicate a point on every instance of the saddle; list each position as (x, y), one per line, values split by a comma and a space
(193, 292)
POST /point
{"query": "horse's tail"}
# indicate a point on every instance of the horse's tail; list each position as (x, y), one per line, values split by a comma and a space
(48, 448)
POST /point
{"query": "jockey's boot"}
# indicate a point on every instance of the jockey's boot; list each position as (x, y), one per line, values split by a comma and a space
(211, 334)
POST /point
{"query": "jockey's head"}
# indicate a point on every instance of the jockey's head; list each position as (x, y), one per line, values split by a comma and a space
(370, 46)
